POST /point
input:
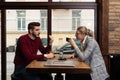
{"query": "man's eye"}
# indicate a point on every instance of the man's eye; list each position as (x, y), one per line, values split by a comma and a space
(37, 29)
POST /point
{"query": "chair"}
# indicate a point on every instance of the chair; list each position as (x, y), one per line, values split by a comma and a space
(13, 77)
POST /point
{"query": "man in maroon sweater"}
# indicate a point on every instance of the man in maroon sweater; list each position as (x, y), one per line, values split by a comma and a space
(26, 51)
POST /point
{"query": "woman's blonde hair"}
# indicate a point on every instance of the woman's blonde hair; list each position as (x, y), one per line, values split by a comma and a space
(84, 30)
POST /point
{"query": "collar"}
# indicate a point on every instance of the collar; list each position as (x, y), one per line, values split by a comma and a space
(84, 40)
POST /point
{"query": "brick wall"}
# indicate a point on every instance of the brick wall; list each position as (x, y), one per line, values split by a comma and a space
(114, 26)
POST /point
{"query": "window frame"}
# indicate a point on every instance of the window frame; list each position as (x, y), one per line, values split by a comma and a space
(101, 18)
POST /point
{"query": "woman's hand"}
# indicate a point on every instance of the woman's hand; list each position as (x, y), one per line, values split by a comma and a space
(70, 56)
(72, 42)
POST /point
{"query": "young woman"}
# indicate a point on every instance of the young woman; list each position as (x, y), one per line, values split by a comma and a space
(90, 53)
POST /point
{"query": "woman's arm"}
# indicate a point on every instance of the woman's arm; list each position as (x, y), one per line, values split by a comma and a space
(89, 49)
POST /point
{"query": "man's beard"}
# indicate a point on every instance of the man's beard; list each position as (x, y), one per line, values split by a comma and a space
(36, 36)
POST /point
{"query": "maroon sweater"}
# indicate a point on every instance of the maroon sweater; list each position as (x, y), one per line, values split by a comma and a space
(26, 50)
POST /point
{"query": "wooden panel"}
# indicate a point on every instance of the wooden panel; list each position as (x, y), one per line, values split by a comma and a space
(103, 12)
(41, 5)
(103, 19)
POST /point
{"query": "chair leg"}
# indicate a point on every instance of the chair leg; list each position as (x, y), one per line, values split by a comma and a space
(58, 76)
(13, 77)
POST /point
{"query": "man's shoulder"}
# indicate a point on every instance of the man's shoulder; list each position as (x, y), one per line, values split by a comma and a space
(23, 36)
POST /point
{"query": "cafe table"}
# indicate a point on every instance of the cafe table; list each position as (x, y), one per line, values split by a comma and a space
(38, 67)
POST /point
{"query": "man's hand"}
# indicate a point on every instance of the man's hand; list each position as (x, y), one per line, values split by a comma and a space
(49, 56)
(51, 39)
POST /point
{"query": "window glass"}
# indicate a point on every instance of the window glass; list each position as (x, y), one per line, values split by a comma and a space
(67, 47)
(26, 0)
(44, 41)
(65, 25)
(74, 0)
(16, 25)
(43, 16)
(76, 16)
(21, 20)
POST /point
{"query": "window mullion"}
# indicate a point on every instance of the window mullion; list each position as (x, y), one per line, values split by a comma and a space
(3, 44)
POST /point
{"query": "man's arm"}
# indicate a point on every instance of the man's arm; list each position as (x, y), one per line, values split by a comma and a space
(43, 49)
(47, 49)
(26, 51)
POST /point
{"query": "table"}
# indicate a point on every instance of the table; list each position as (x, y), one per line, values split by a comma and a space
(38, 67)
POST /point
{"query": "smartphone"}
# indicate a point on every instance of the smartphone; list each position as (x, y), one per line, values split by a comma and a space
(67, 39)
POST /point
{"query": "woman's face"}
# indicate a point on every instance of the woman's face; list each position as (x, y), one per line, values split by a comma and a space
(79, 36)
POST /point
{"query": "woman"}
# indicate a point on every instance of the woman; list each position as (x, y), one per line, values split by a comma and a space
(90, 53)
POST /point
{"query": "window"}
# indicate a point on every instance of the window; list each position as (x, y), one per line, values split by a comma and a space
(21, 20)
(44, 41)
(76, 16)
(56, 19)
(65, 25)
(43, 20)
(67, 47)
(71, 19)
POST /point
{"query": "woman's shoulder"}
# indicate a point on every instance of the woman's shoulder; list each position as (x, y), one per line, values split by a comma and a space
(91, 40)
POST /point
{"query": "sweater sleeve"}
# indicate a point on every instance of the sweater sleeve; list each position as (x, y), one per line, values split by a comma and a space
(26, 52)
(43, 49)
(84, 55)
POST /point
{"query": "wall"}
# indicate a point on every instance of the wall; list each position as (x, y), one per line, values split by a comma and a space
(114, 26)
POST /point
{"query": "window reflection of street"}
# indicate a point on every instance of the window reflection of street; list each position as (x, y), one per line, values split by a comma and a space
(10, 65)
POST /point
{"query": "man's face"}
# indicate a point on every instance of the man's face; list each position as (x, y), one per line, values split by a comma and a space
(36, 31)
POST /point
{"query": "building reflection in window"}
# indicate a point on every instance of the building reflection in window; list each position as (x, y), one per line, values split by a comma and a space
(65, 25)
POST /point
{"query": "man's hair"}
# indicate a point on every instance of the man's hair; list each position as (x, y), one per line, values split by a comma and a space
(31, 25)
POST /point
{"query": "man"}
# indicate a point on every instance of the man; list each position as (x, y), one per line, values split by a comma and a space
(26, 51)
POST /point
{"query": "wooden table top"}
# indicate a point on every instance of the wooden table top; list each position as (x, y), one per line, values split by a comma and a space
(39, 67)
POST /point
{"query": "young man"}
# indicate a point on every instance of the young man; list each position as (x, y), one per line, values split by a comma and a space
(26, 51)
